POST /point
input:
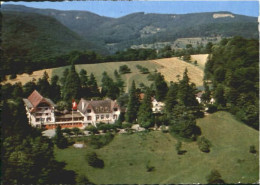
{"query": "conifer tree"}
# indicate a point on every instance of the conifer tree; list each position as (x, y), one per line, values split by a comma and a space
(145, 113)
(93, 87)
(206, 95)
(119, 82)
(186, 93)
(59, 139)
(72, 85)
(109, 88)
(171, 97)
(55, 94)
(161, 87)
(133, 104)
(84, 83)
(43, 85)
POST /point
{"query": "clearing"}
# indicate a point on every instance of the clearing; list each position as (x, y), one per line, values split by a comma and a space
(169, 67)
(127, 155)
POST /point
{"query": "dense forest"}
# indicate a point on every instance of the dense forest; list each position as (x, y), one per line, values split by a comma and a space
(233, 69)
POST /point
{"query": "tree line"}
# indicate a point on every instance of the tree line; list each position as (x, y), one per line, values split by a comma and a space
(232, 75)
(14, 66)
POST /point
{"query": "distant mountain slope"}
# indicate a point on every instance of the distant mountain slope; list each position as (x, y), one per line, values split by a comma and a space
(141, 28)
(39, 36)
(29, 39)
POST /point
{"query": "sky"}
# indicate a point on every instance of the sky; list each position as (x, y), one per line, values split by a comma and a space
(122, 8)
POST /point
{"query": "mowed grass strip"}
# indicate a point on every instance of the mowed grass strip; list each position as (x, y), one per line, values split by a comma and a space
(126, 156)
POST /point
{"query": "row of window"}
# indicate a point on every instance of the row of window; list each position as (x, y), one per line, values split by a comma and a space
(102, 117)
(43, 119)
(101, 109)
(46, 108)
(43, 114)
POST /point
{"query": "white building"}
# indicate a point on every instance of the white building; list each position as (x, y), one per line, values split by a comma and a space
(157, 106)
(96, 111)
(39, 110)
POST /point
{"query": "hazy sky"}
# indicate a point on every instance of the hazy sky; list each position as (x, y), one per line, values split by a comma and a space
(121, 8)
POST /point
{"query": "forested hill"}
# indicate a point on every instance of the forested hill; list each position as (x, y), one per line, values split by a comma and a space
(32, 38)
(141, 28)
(234, 71)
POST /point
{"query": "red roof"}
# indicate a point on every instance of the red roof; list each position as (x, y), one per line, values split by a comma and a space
(35, 98)
(141, 96)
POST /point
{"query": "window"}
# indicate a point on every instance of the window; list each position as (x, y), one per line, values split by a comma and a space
(46, 114)
(97, 117)
(115, 109)
(38, 114)
(89, 118)
(107, 116)
(46, 108)
(89, 111)
(102, 116)
(37, 119)
(114, 116)
(48, 119)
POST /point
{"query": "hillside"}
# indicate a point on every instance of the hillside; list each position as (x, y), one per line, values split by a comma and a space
(140, 28)
(126, 163)
(169, 67)
(35, 36)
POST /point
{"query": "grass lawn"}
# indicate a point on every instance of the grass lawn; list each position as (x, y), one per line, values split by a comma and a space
(127, 155)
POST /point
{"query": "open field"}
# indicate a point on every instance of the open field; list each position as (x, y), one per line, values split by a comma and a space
(172, 67)
(24, 78)
(169, 67)
(201, 60)
(127, 155)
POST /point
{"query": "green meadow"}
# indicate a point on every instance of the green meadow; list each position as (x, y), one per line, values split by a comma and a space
(127, 156)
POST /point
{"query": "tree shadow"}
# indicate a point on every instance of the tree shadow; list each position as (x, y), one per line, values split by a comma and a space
(181, 152)
(61, 176)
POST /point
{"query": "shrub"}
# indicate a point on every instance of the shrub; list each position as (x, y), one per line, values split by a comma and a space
(252, 149)
(163, 129)
(66, 131)
(214, 178)
(142, 69)
(151, 77)
(126, 125)
(76, 130)
(212, 108)
(124, 69)
(94, 161)
(82, 179)
(178, 147)
(204, 144)
(98, 141)
(149, 168)
(92, 129)
(12, 76)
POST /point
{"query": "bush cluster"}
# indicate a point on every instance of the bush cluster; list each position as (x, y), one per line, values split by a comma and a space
(94, 161)
(204, 144)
